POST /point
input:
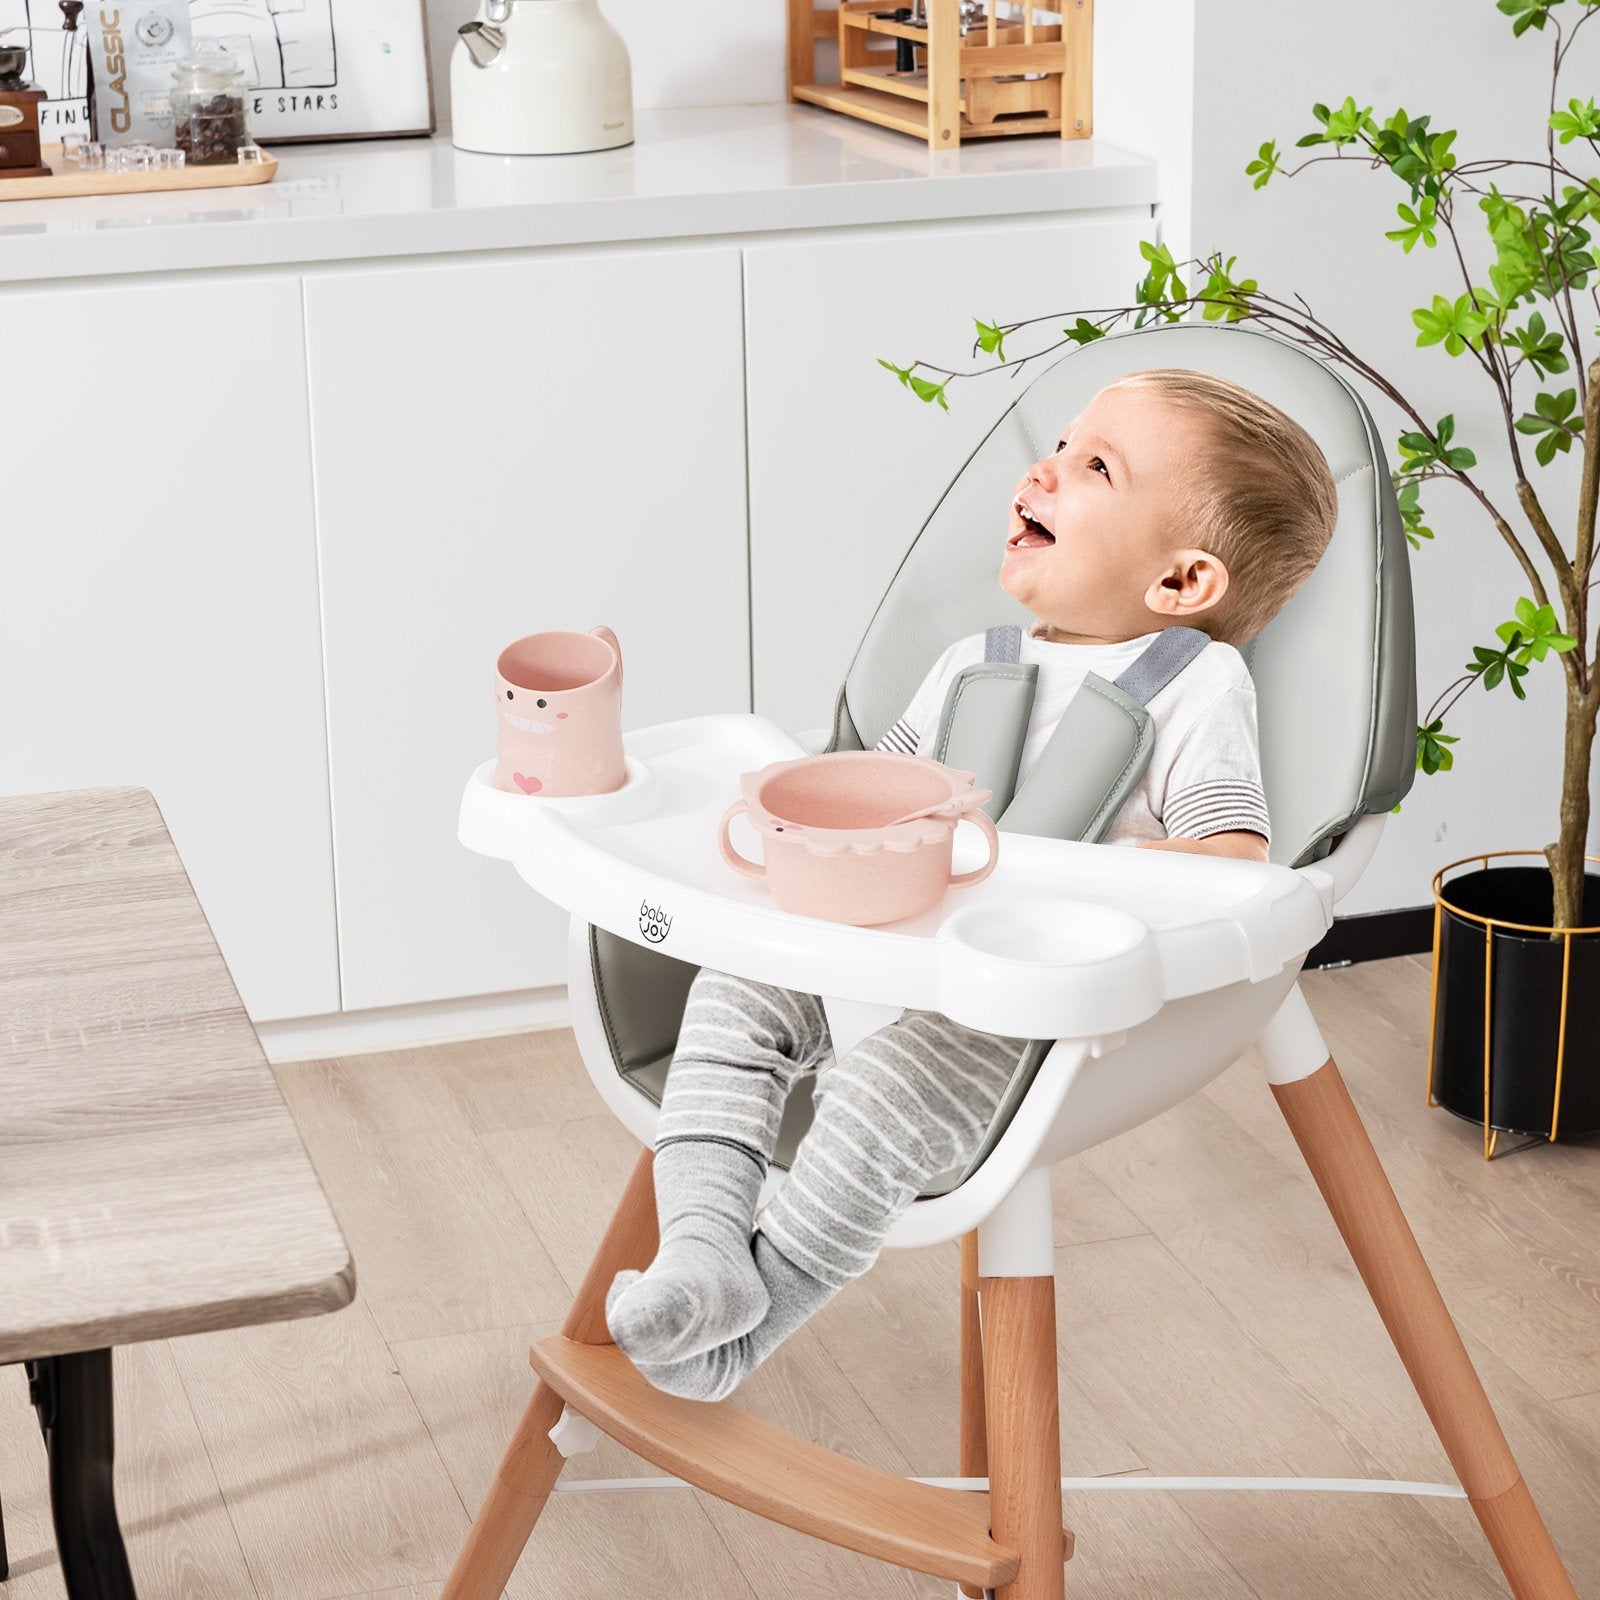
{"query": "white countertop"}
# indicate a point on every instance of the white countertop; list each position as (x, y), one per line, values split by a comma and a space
(691, 172)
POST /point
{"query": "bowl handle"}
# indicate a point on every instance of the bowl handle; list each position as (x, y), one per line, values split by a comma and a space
(732, 856)
(984, 821)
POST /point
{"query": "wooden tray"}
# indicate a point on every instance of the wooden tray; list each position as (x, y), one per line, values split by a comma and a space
(68, 180)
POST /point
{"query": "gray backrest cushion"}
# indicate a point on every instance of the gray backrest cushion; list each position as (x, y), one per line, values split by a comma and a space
(1334, 671)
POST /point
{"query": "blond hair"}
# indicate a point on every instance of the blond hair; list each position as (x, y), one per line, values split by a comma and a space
(1259, 496)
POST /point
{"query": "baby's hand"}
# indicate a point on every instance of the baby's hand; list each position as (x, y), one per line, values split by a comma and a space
(1242, 846)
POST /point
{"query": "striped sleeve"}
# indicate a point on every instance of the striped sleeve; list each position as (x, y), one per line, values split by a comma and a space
(902, 737)
(1214, 782)
(1225, 805)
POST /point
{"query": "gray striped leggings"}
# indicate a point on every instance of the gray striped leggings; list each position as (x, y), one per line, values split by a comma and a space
(908, 1102)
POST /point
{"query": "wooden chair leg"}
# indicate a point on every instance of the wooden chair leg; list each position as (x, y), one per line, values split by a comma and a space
(1024, 1440)
(974, 1451)
(1333, 1141)
(532, 1463)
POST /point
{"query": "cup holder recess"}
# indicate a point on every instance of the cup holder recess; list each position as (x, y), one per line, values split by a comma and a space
(1047, 933)
(1054, 968)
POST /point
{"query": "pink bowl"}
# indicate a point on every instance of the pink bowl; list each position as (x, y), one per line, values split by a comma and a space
(831, 846)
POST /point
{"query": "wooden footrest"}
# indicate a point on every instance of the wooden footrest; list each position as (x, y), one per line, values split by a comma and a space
(750, 1463)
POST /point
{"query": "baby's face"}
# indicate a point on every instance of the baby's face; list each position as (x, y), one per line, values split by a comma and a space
(1093, 548)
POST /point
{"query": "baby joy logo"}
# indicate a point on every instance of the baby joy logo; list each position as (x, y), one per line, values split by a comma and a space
(654, 923)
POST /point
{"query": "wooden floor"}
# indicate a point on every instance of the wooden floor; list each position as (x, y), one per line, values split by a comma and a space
(1210, 1323)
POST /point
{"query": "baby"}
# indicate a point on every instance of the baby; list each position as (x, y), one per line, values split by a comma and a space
(1175, 497)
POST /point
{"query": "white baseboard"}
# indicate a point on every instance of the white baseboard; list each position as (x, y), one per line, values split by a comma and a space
(350, 1033)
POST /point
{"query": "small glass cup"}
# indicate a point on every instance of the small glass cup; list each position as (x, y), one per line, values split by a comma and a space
(72, 147)
(251, 155)
(169, 160)
(94, 156)
(140, 157)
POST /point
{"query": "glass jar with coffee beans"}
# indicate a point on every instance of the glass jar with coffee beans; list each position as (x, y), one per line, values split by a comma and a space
(208, 106)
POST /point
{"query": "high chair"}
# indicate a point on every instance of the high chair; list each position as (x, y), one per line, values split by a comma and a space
(1142, 975)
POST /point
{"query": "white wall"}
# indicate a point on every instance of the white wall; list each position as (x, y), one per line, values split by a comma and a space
(1259, 67)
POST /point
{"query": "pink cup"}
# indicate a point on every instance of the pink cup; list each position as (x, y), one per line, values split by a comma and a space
(830, 844)
(558, 699)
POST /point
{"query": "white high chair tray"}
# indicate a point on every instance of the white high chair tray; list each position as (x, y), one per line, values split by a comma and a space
(1063, 940)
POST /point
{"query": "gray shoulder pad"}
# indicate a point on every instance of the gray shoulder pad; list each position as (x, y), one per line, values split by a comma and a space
(1095, 755)
(983, 724)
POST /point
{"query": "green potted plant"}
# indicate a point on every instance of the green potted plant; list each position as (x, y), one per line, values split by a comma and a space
(1516, 1026)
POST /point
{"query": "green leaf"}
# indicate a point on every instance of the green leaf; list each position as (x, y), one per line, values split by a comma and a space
(1432, 752)
(991, 339)
(1578, 121)
(1557, 419)
(1542, 349)
(1527, 14)
(1224, 297)
(1533, 634)
(1415, 156)
(1084, 331)
(1458, 325)
(922, 388)
(1265, 164)
(1340, 127)
(1420, 225)
(1162, 281)
(1407, 497)
(1418, 451)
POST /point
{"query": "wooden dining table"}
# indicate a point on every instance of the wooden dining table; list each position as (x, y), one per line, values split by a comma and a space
(152, 1181)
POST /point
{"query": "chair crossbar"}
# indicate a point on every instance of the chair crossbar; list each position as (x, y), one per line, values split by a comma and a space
(1441, 1491)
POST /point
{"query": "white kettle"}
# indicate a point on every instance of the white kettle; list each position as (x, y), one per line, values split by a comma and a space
(540, 77)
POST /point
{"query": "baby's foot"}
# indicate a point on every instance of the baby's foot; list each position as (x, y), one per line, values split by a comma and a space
(693, 1297)
(709, 1375)
(793, 1298)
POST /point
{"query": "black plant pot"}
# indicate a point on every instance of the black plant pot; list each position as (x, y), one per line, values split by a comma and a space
(1518, 972)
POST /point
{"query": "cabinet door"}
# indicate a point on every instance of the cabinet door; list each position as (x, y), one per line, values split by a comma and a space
(845, 465)
(158, 596)
(504, 447)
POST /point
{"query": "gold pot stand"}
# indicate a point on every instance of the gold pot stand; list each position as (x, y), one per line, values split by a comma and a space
(1489, 925)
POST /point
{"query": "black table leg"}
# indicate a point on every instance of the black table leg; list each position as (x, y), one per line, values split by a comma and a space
(5, 1560)
(72, 1395)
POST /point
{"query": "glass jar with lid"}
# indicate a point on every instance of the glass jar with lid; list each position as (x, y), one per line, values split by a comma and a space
(208, 105)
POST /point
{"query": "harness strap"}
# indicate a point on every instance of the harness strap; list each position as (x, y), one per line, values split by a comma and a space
(1160, 662)
(1003, 643)
(1094, 756)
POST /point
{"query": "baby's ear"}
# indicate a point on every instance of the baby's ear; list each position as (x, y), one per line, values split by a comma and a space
(1193, 581)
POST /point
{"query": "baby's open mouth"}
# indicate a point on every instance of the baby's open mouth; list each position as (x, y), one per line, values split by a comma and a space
(1032, 534)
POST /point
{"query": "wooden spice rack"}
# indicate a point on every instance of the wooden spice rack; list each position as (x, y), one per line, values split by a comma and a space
(964, 87)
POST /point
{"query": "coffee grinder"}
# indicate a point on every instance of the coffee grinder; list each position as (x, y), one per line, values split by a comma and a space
(19, 115)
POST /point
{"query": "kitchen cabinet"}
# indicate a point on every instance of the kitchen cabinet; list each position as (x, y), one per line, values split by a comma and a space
(502, 446)
(287, 467)
(158, 596)
(845, 465)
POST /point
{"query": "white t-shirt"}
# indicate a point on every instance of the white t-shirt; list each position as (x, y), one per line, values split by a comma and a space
(1204, 775)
